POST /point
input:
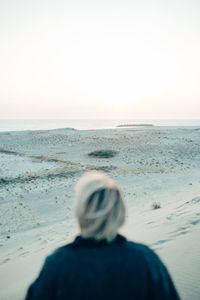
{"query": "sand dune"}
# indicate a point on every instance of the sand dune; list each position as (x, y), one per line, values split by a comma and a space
(38, 172)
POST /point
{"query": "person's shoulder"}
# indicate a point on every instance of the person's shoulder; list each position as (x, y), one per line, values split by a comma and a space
(142, 250)
(148, 255)
(60, 253)
(139, 247)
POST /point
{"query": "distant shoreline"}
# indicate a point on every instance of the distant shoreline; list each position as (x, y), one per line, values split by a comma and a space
(23, 125)
(134, 125)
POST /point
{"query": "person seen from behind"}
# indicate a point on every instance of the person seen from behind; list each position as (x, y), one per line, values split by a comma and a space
(100, 263)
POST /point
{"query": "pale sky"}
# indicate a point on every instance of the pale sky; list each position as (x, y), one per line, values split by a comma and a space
(105, 59)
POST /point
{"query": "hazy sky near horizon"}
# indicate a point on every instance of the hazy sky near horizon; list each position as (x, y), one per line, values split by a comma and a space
(100, 59)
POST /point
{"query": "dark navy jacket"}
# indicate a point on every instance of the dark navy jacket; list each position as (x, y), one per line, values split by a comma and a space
(89, 270)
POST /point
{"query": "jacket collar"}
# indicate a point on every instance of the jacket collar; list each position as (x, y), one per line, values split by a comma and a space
(91, 242)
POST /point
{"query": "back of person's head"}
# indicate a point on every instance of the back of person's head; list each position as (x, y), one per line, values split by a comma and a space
(99, 206)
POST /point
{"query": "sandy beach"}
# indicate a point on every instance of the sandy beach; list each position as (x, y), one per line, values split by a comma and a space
(38, 172)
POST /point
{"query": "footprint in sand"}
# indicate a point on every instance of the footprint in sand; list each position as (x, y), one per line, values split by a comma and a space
(151, 222)
(24, 253)
(6, 260)
(170, 217)
(195, 222)
(196, 200)
(181, 231)
(159, 243)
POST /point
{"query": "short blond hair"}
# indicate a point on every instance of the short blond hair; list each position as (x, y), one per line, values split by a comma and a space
(99, 206)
